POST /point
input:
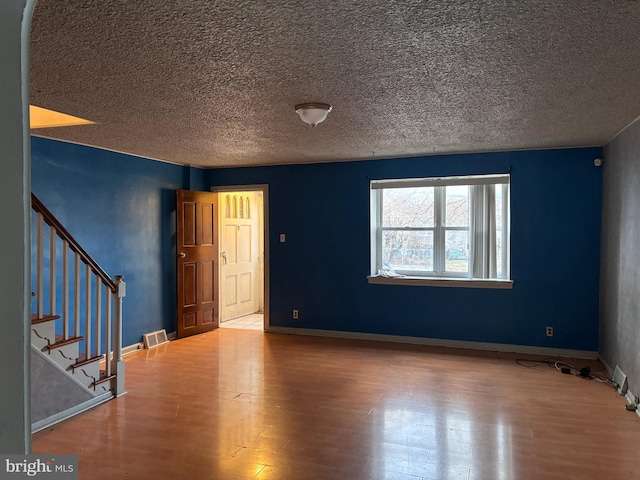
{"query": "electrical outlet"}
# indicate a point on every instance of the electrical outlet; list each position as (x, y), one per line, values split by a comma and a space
(283, 238)
(295, 314)
(549, 331)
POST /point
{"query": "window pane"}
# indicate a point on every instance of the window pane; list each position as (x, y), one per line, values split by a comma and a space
(499, 228)
(456, 254)
(457, 206)
(407, 207)
(407, 250)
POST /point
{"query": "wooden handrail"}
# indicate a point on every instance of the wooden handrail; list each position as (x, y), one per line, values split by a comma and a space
(62, 232)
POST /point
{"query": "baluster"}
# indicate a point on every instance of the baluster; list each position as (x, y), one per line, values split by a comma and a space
(65, 289)
(97, 338)
(107, 333)
(52, 270)
(39, 279)
(87, 311)
(76, 297)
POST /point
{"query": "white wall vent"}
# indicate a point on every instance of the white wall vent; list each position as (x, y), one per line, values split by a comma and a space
(153, 339)
(620, 379)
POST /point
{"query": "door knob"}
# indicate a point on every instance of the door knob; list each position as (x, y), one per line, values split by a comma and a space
(183, 255)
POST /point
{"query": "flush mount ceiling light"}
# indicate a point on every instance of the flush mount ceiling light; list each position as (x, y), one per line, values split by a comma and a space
(313, 113)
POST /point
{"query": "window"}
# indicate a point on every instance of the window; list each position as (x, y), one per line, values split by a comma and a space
(453, 228)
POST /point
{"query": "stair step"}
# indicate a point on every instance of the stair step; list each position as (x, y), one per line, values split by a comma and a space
(83, 360)
(60, 342)
(45, 318)
(103, 378)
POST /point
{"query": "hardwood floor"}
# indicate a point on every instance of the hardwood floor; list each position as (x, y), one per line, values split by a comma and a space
(240, 404)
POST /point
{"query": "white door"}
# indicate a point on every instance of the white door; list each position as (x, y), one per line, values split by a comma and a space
(239, 246)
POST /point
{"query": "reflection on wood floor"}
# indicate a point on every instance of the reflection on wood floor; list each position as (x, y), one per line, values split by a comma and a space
(241, 404)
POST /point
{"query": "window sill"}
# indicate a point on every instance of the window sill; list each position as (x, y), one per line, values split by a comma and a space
(441, 282)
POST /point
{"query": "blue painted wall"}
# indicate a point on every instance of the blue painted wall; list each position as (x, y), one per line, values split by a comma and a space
(322, 268)
(121, 209)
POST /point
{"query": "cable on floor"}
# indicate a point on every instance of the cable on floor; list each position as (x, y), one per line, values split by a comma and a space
(567, 368)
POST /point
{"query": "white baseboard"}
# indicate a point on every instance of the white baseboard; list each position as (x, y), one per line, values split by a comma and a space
(128, 350)
(70, 412)
(133, 348)
(629, 396)
(436, 342)
(606, 365)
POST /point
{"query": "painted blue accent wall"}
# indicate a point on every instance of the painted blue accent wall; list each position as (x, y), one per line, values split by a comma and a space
(321, 270)
(121, 209)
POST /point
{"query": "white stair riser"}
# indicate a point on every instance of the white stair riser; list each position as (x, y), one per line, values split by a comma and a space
(88, 373)
(65, 356)
(46, 330)
(103, 387)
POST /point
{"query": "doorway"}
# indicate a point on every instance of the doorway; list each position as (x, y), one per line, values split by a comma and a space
(241, 237)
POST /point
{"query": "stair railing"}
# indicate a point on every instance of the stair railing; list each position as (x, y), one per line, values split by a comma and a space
(98, 285)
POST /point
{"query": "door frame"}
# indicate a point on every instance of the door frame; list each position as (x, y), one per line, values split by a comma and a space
(264, 188)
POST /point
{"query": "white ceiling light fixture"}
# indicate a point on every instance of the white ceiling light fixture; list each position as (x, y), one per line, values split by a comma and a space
(313, 113)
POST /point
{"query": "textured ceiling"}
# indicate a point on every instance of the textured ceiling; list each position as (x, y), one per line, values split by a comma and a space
(214, 83)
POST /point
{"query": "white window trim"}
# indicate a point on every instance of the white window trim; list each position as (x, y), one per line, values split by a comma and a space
(441, 282)
(440, 181)
(446, 279)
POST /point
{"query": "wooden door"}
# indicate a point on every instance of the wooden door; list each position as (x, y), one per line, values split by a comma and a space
(197, 249)
(239, 254)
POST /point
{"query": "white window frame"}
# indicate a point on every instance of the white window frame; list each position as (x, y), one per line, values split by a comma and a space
(439, 277)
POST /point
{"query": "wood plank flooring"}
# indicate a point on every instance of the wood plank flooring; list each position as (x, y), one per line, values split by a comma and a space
(241, 404)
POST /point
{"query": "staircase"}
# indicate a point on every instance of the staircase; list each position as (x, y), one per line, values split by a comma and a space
(76, 350)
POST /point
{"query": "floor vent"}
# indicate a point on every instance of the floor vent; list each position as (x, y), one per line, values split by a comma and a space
(153, 339)
(620, 379)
